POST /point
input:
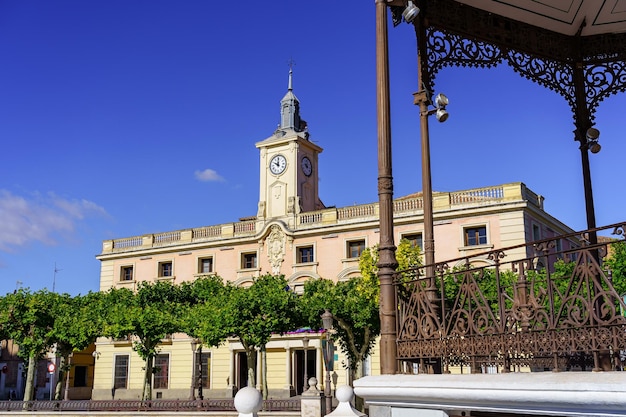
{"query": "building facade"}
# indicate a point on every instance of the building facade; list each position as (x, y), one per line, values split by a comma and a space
(295, 235)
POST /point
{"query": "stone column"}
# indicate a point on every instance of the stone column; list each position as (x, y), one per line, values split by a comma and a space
(288, 369)
(319, 363)
(231, 377)
(259, 368)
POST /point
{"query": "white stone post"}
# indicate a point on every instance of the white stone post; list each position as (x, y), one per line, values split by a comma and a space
(311, 400)
(248, 402)
(344, 395)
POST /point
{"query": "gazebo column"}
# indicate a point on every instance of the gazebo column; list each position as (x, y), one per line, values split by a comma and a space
(288, 368)
(231, 377)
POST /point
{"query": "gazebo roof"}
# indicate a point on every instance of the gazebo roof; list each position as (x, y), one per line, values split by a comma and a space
(567, 17)
(574, 47)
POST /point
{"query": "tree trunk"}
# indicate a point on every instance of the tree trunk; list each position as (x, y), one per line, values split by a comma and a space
(63, 376)
(29, 391)
(264, 371)
(66, 394)
(251, 357)
(147, 380)
(357, 373)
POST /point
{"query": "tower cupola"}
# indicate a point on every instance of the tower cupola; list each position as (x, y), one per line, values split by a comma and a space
(290, 110)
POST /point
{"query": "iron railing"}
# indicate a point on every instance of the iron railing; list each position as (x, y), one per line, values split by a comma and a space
(552, 309)
(227, 404)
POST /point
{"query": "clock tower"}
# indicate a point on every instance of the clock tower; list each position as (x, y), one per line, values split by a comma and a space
(288, 164)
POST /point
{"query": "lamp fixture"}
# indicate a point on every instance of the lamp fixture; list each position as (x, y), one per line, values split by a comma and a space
(592, 140)
(593, 133)
(327, 320)
(410, 12)
(441, 101)
(441, 115)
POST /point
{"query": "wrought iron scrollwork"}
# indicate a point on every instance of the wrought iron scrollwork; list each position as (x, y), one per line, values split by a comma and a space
(460, 35)
(511, 314)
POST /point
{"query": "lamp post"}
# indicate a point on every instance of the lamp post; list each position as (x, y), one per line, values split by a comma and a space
(423, 100)
(588, 139)
(192, 394)
(305, 345)
(328, 350)
(199, 365)
(387, 262)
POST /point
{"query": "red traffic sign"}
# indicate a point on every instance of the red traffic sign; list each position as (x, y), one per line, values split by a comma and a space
(51, 368)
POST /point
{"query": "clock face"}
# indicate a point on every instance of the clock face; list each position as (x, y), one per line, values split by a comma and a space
(278, 164)
(307, 166)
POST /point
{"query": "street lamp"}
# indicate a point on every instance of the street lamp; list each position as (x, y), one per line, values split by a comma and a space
(410, 12)
(588, 139)
(328, 350)
(305, 345)
(194, 344)
(423, 100)
(199, 366)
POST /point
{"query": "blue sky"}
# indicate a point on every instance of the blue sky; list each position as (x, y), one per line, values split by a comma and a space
(119, 118)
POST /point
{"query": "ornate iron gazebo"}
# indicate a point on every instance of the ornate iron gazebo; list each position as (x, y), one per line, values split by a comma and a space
(576, 48)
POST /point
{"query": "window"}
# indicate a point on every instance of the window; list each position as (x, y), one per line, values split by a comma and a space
(126, 273)
(80, 376)
(476, 236)
(355, 248)
(536, 232)
(120, 379)
(559, 248)
(205, 265)
(415, 240)
(248, 260)
(161, 371)
(165, 269)
(206, 370)
(305, 254)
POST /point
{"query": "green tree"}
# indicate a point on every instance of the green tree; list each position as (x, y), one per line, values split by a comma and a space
(355, 314)
(205, 318)
(28, 319)
(616, 263)
(77, 324)
(254, 313)
(354, 303)
(147, 317)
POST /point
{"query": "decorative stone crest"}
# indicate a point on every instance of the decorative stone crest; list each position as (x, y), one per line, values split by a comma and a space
(275, 243)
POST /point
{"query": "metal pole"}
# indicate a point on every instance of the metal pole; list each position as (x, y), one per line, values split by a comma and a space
(602, 360)
(305, 345)
(200, 395)
(386, 249)
(423, 99)
(51, 383)
(327, 392)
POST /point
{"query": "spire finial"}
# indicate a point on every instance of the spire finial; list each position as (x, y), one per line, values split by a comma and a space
(291, 64)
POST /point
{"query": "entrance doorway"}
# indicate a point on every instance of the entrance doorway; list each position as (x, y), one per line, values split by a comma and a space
(299, 368)
(242, 370)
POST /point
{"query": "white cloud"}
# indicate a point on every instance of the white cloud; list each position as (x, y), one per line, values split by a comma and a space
(208, 175)
(27, 219)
